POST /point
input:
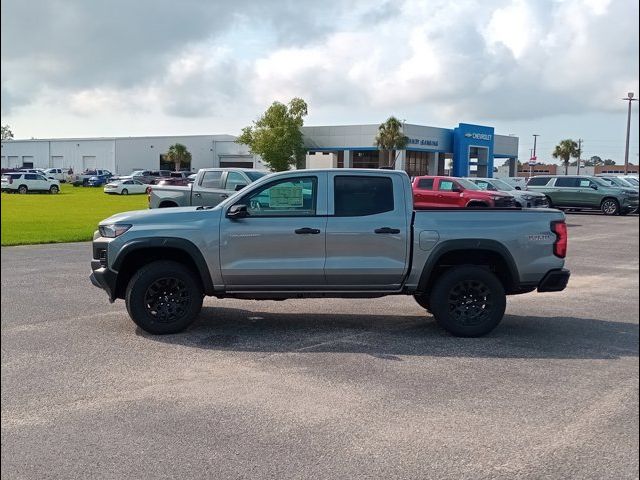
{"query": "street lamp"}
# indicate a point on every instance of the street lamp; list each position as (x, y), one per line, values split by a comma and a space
(626, 149)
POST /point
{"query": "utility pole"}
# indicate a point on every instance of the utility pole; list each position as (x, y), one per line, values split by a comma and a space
(580, 154)
(533, 155)
(626, 149)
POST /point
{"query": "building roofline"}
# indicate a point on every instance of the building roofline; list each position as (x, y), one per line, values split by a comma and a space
(69, 139)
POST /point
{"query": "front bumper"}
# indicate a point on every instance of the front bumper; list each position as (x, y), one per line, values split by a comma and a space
(554, 280)
(102, 276)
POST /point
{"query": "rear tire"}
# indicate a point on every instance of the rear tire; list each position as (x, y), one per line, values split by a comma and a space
(468, 301)
(610, 206)
(22, 189)
(54, 189)
(164, 297)
(124, 192)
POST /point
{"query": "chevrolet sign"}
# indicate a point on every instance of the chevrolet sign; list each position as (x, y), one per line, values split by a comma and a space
(479, 136)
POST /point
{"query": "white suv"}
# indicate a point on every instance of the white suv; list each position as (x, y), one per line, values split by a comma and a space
(24, 182)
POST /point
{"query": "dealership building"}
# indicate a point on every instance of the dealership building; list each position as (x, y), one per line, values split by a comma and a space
(461, 151)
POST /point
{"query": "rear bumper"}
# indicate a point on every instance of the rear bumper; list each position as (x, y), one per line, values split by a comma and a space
(554, 280)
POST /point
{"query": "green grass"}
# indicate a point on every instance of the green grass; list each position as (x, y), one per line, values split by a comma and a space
(70, 216)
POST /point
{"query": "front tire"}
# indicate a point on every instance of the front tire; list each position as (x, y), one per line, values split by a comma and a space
(610, 206)
(164, 297)
(468, 301)
(423, 301)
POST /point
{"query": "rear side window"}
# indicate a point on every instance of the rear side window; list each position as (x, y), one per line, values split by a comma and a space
(211, 179)
(538, 181)
(567, 182)
(360, 196)
(425, 183)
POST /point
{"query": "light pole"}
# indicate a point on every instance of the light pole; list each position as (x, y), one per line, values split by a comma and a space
(626, 148)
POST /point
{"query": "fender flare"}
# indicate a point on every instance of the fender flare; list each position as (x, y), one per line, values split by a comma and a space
(469, 244)
(183, 244)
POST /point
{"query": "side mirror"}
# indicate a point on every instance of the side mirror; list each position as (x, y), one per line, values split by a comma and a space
(239, 187)
(237, 211)
(595, 187)
(518, 188)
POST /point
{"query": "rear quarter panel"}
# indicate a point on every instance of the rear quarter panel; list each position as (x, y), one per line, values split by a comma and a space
(526, 234)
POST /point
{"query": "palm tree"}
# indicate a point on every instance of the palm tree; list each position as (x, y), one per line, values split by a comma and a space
(178, 154)
(565, 151)
(391, 137)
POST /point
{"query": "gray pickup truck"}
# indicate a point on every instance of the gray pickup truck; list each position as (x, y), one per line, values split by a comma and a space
(211, 186)
(329, 233)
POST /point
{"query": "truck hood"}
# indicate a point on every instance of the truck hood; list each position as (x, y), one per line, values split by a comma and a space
(167, 216)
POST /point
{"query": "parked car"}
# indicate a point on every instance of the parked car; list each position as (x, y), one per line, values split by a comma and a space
(632, 179)
(585, 192)
(455, 192)
(83, 178)
(97, 181)
(125, 187)
(175, 178)
(212, 185)
(523, 199)
(20, 182)
(60, 174)
(148, 176)
(618, 181)
(339, 233)
(519, 183)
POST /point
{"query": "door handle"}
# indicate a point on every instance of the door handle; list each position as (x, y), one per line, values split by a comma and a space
(197, 195)
(307, 231)
(224, 195)
(387, 230)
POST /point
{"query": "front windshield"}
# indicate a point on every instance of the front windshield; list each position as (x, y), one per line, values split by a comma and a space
(468, 184)
(601, 181)
(619, 182)
(253, 176)
(502, 186)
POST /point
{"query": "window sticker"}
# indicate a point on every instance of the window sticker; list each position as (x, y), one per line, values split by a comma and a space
(285, 196)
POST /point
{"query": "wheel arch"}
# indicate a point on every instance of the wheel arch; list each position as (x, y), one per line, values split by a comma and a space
(481, 252)
(139, 252)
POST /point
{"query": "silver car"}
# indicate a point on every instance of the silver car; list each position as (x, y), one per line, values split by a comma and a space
(524, 199)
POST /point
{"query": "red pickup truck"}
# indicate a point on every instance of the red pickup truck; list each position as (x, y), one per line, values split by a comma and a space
(454, 192)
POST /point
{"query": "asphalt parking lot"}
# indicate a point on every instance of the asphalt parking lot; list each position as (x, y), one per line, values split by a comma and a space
(323, 388)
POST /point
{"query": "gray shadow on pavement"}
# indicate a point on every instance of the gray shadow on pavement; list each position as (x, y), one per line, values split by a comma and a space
(389, 337)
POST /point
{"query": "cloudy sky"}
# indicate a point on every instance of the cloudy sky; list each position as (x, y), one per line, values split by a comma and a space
(151, 67)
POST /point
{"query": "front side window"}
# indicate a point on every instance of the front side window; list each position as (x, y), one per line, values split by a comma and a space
(30, 176)
(360, 196)
(585, 183)
(446, 186)
(211, 179)
(290, 197)
(40, 177)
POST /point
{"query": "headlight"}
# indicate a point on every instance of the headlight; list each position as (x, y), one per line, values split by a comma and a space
(113, 231)
(527, 197)
(496, 198)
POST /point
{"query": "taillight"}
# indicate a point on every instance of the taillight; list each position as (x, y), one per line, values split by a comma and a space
(562, 238)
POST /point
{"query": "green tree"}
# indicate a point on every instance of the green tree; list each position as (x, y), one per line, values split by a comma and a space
(178, 154)
(608, 161)
(277, 136)
(390, 137)
(7, 134)
(565, 151)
